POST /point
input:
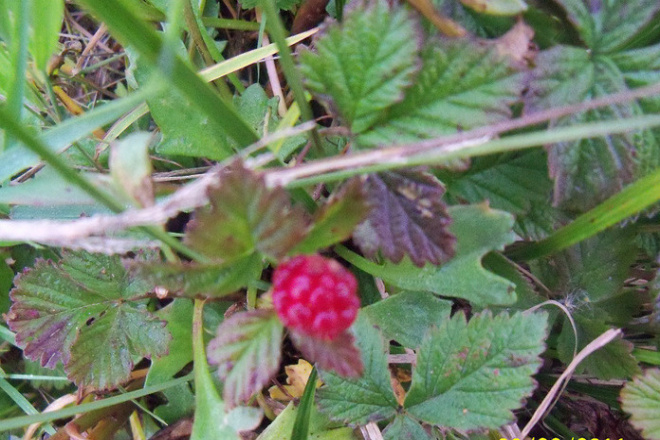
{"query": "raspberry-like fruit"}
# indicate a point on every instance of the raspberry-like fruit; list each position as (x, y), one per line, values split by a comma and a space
(315, 296)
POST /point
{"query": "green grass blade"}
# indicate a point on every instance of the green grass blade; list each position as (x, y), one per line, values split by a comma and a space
(301, 424)
(19, 44)
(245, 59)
(61, 136)
(14, 128)
(21, 401)
(130, 30)
(19, 422)
(633, 199)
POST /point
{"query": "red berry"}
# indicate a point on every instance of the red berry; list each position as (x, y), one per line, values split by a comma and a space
(315, 296)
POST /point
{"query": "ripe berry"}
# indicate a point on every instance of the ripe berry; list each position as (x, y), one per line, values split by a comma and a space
(315, 296)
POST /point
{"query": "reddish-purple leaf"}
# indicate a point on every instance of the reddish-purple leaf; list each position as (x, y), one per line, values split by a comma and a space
(85, 311)
(245, 216)
(408, 217)
(339, 355)
(247, 350)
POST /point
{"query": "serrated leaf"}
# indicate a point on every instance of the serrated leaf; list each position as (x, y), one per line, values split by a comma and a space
(337, 218)
(339, 354)
(247, 350)
(608, 25)
(591, 271)
(364, 64)
(641, 399)
(368, 398)
(406, 316)
(497, 7)
(590, 170)
(462, 85)
(85, 311)
(518, 184)
(472, 374)
(478, 230)
(245, 216)
(102, 355)
(408, 217)
(200, 280)
(600, 362)
(405, 428)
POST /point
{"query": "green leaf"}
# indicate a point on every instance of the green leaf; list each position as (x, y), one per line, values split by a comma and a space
(245, 216)
(462, 85)
(641, 399)
(518, 184)
(364, 64)
(365, 399)
(408, 217)
(320, 428)
(478, 230)
(497, 7)
(472, 374)
(404, 427)
(592, 169)
(339, 355)
(609, 25)
(178, 316)
(45, 28)
(186, 129)
(599, 363)
(94, 359)
(200, 280)
(85, 312)
(336, 219)
(594, 269)
(407, 316)
(247, 351)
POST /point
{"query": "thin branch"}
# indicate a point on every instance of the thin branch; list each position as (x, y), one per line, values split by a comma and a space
(193, 195)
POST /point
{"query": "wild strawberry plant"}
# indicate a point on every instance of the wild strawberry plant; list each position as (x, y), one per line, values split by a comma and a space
(440, 205)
